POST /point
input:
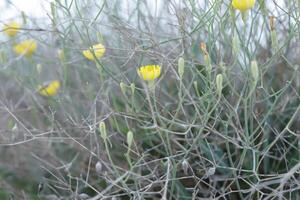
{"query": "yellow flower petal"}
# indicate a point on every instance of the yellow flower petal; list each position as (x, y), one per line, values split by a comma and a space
(98, 50)
(11, 29)
(26, 47)
(49, 90)
(149, 72)
(243, 5)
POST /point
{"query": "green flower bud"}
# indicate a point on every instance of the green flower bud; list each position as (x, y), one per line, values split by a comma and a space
(39, 68)
(132, 87)
(102, 128)
(15, 127)
(98, 167)
(219, 84)
(185, 166)
(61, 55)
(195, 85)
(181, 67)
(211, 171)
(206, 57)
(207, 63)
(254, 71)
(123, 88)
(129, 139)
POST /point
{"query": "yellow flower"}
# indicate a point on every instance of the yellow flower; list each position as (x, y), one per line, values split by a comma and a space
(61, 54)
(26, 47)
(98, 50)
(149, 72)
(50, 89)
(11, 29)
(243, 5)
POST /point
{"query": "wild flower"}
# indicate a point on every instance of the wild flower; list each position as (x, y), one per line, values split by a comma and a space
(149, 72)
(97, 49)
(243, 5)
(50, 89)
(11, 29)
(26, 47)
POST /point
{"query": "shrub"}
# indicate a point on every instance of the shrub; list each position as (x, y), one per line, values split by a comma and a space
(152, 100)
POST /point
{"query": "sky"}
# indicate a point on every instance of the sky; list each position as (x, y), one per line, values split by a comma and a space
(11, 9)
(34, 8)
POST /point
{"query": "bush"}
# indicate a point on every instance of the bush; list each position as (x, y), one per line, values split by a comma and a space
(152, 100)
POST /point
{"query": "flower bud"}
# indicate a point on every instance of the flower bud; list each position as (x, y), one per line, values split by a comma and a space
(132, 87)
(272, 22)
(15, 127)
(129, 139)
(185, 166)
(203, 48)
(123, 87)
(39, 68)
(211, 171)
(254, 71)
(219, 84)
(274, 40)
(181, 67)
(102, 128)
(61, 55)
(195, 85)
(206, 57)
(207, 63)
(98, 167)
